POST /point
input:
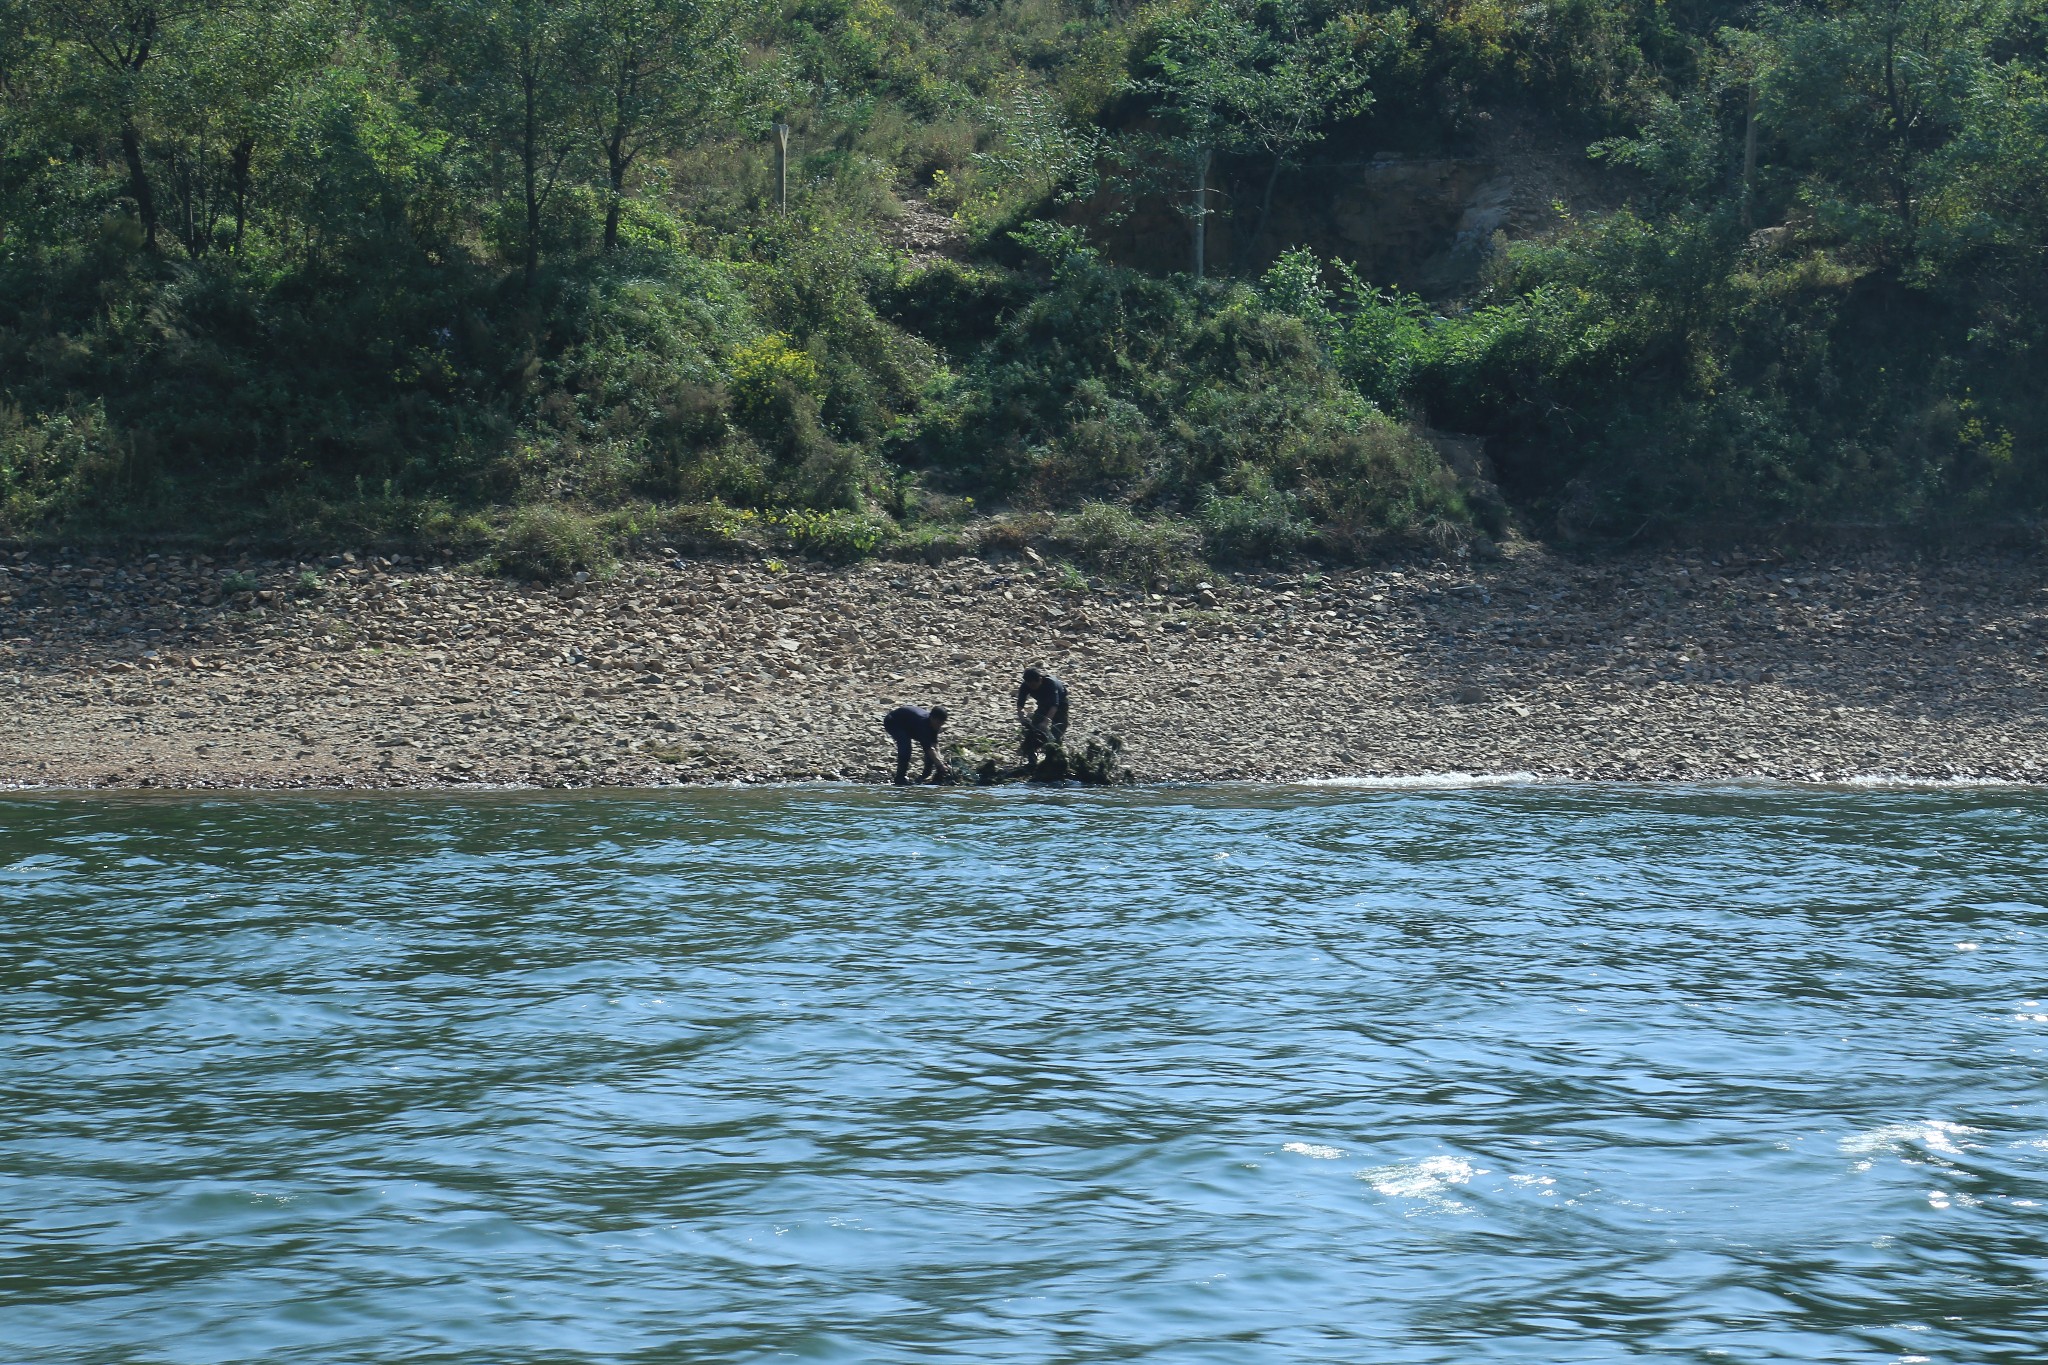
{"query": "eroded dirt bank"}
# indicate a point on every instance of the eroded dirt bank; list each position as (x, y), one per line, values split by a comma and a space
(209, 673)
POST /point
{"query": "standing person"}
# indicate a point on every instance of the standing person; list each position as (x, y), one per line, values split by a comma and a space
(1049, 723)
(916, 723)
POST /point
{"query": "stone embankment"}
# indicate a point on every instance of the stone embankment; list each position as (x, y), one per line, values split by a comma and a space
(189, 672)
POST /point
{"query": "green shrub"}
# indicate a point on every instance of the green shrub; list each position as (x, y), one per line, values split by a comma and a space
(956, 307)
(1383, 483)
(551, 543)
(1112, 540)
(764, 368)
(1815, 306)
(838, 537)
(713, 528)
(932, 544)
(1207, 402)
(1259, 521)
(56, 466)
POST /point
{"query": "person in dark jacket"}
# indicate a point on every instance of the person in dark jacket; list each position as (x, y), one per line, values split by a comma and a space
(919, 725)
(1048, 724)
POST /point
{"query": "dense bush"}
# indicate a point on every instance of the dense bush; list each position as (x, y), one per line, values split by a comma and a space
(1107, 537)
(1201, 401)
(550, 543)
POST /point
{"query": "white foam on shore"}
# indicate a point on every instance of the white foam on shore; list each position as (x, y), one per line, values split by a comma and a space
(1861, 781)
(1900, 780)
(1432, 780)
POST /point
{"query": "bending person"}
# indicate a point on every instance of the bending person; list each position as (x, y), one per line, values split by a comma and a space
(908, 724)
(1047, 725)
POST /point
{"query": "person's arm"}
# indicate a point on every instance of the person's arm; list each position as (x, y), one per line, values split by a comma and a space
(934, 761)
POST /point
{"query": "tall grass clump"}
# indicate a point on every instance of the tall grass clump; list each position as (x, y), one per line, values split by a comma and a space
(551, 543)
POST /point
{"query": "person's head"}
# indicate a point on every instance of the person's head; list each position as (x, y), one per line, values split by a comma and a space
(1033, 677)
(938, 715)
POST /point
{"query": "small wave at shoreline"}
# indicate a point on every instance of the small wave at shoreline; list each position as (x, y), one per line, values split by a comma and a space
(1860, 781)
(1448, 779)
(1887, 781)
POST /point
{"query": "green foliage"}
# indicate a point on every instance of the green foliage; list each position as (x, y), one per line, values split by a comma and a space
(296, 267)
(1377, 338)
(1825, 303)
(1232, 76)
(1109, 538)
(1256, 521)
(1036, 156)
(767, 366)
(1109, 387)
(836, 537)
(53, 466)
(955, 307)
(1862, 357)
(551, 543)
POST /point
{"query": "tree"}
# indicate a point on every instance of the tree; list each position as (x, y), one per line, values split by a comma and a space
(1313, 76)
(504, 73)
(221, 95)
(187, 89)
(109, 47)
(1036, 152)
(1866, 94)
(1237, 76)
(1205, 79)
(652, 74)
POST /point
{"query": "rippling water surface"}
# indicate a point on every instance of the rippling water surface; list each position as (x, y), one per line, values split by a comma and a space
(1533, 1074)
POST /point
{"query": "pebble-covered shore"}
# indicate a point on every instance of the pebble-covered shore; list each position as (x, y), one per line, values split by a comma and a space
(367, 672)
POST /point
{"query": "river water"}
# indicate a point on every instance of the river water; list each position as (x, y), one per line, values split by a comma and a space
(1529, 1073)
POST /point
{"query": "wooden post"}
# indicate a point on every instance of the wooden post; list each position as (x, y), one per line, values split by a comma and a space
(1201, 211)
(781, 164)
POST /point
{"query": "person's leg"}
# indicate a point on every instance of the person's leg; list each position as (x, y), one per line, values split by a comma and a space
(902, 758)
(1034, 739)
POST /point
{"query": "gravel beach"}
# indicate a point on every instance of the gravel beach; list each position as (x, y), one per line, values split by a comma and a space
(189, 672)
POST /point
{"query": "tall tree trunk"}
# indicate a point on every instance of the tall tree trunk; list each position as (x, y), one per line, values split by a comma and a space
(1749, 163)
(529, 159)
(1265, 212)
(618, 161)
(244, 150)
(781, 164)
(1901, 133)
(1201, 210)
(138, 184)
